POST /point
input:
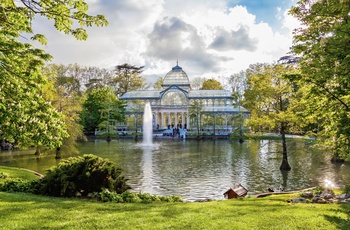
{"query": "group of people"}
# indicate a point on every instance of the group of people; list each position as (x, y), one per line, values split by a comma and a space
(176, 130)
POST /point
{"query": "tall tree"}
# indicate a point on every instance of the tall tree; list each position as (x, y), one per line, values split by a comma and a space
(195, 111)
(158, 84)
(128, 78)
(238, 82)
(211, 84)
(26, 118)
(64, 94)
(268, 98)
(100, 107)
(197, 83)
(323, 44)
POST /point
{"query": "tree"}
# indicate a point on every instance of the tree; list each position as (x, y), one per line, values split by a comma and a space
(128, 78)
(26, 118)
(197, 82)
(158, 84)
(323, 45)
(211, 84)
(238, 83)
(100, 108)
(195, 112)
(268, 98)
(64, 94)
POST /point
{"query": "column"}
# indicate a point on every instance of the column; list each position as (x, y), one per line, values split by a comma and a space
(226, 121)
(163, 121)
(155, 120)
(188, 121)
(176, 121)
(182, 119)
(169, 121)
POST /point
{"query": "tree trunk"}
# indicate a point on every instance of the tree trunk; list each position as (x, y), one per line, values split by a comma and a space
(58, 153)
(285, 165)
(336, 158)
(38, 150)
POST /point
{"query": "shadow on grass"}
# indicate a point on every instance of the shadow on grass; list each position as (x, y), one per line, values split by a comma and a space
(341, 219)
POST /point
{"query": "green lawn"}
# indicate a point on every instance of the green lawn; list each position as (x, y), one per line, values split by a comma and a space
(27, 211)
(17, 173)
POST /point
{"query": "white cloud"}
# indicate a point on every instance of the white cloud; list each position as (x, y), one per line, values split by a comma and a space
(208, 38)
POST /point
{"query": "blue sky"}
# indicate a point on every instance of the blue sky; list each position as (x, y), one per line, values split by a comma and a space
(210, 38)
(264, 10)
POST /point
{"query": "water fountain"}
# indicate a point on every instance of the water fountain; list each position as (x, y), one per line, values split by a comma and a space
(147, 125)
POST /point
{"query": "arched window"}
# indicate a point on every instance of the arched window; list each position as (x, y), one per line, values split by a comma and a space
(174, 97)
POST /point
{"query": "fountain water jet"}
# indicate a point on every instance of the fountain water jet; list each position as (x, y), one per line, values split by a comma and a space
(147, 125)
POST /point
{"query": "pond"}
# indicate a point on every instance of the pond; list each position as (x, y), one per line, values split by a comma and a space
(204, 169)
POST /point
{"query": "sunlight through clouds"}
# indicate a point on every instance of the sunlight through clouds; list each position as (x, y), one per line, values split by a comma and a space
(209, 38)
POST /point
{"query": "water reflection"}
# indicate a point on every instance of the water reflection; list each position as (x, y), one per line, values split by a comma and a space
(204, 169)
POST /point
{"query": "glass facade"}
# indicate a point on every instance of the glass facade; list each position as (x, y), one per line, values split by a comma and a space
(173, 105)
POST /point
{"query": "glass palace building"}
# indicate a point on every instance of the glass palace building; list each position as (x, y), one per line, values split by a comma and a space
(177, 105)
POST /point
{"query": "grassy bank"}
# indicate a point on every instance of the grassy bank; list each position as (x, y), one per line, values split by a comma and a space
(26, 211)
(12, 172)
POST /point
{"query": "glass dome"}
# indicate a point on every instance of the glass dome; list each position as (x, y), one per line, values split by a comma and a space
(174, 97)
(176, 77)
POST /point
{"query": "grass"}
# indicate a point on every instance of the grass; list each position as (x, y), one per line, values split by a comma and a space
(17, 173)
(27, 211)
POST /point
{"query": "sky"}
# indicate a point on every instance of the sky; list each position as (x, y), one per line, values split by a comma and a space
(208, 38)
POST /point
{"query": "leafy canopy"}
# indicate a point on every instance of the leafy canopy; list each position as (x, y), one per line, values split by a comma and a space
(211, 84)
(99, 104)
(26, 118)
(323, 44)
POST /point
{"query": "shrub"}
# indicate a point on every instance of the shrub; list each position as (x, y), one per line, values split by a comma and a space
(83, 175)
(107, 196)
(127, 197)
(346, 189)
(3, 175)
(20, 185)
(318, 190)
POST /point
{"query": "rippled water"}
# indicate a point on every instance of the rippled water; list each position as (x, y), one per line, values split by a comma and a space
(204, 169)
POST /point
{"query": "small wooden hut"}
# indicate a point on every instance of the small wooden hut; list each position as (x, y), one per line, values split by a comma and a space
(235, 192)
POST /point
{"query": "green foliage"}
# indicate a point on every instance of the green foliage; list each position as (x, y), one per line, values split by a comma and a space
(269, 96)
(83, 175)
(64, 92)
(3, 175)
(238, 134)
(100, 107)
(127, 197)
(211, 84)
(20, 185)
(318, 190)
(195, 112)
(158, 84)
(26, 117)
(346, 189)
(128, 78)
(322, 43)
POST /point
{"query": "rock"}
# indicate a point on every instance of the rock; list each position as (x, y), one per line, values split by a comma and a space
(341, 196)
(327, 194)
(315, 199)
(307, 194)
(321, 201)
